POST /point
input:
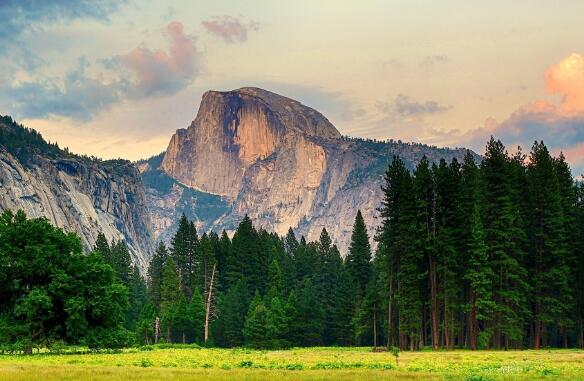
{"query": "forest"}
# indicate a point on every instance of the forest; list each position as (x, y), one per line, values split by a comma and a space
(477, 255)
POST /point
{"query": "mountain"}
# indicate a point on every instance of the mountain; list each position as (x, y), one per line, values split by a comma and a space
(77, 193)
(251, 151)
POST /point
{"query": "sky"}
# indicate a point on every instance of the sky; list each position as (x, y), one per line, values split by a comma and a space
(117, 78)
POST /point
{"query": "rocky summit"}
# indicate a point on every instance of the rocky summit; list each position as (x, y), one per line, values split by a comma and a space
(251, 151)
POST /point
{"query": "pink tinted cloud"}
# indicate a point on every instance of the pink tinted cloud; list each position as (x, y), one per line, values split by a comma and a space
(575, 154)
(566, 78)
(159, 72)
(230, 29)
(560, 126)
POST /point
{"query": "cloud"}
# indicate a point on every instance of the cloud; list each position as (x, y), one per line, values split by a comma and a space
(78, 97)
(560, 126)
(141, 73)
(162, 73)
(19, 16)
(567, 79)
(230, 29)
(404, 106)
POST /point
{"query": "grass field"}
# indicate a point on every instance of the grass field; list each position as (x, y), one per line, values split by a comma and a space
(294, 364)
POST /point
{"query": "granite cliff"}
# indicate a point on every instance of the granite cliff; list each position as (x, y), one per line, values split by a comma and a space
(250, 151)
(80, 194)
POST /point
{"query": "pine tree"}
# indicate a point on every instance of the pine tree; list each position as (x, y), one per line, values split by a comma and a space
(276, 324)
(196, 313)
(170, 298)
(345, 308)
(311, 316)
(102, 246)
(256, 321)
(234, 307)
(417, 238)
(247, 256)
(121, 261)
(293, 320)
(184, 250)
(358, 261)
(396, 185)
(500, 218)
(155, 275)
(551, 279)
(138, 297)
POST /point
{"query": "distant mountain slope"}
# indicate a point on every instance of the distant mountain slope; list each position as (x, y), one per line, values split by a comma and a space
(250, 151)
(77, 193)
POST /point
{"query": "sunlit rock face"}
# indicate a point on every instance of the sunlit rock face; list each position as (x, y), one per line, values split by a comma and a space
(250, 151)
(235, 130)
(82, 196)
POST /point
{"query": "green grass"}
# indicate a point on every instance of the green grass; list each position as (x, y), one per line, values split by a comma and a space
(155, 363)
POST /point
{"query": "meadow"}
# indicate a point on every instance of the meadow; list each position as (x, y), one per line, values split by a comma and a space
(190, 363)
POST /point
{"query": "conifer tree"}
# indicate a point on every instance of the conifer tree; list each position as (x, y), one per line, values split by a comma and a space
(137, 296)
(500, 217)
(358, 261)
(103, 247)
(255, 328)
(121, 261)
(170, 298)
(234, 307)
(551, 278)
(293, 320)
(196, 313)
(388, 237)
(155, 275)
(276, 324)
(311, 316)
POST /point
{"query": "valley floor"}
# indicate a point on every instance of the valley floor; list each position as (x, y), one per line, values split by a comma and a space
(337, 364)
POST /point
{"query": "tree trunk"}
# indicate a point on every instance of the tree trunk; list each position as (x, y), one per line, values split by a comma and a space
(537, 335)
(581, 334)
(374, 329)
(208, 307)
(156, 329)
(434, 302)
(472, 323)
(389, 314)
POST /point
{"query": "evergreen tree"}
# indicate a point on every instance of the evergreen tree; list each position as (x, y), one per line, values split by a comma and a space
(138, 297)
(551, 278)
(184, 250)
(345, 308)
(293, 320)
(500, 218)
(196, 313)
(234, 307)
(155, 275)
(311, 316)
(103, 248)
(121, 261)
(397, 183)
(171, 298)
(247, 256)
(255, 328)
(478, 273)
(276, 324)
(358, 261)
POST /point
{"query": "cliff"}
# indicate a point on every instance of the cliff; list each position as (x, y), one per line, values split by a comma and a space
(76, 193)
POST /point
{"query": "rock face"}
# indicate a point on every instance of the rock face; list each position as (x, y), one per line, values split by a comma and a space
(282, 163)
(78, 194)
(235, 130)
